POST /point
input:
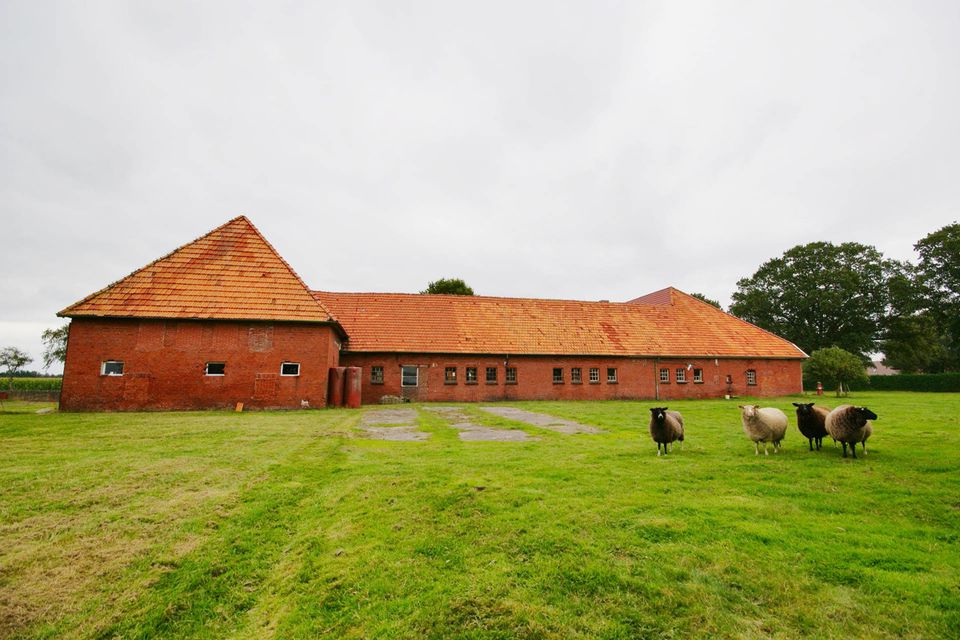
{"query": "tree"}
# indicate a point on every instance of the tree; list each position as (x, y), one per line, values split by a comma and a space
(911, 339)
(819, 295)
(834, 366)
(939, 272)
(450, 286)
(12, 359)
(55, 345)
(703, 298)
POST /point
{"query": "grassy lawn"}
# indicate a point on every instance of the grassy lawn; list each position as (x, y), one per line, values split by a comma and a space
(294, 525)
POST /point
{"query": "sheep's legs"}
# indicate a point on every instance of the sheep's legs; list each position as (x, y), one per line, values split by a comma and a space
(810, 440)
(864, 445)
(658, 449)
(853, 448)
(756, 448)
(765, 452)
(844, 449)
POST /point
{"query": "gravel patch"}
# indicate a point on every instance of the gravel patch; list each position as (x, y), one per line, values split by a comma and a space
(542, 420)
(399, 425)
(472, 432)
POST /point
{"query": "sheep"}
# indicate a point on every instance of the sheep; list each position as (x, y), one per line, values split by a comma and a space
(665, 427)
(810, 421)
(850, 425)
(764, 424)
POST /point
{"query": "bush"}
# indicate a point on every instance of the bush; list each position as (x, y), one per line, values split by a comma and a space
(934, 382)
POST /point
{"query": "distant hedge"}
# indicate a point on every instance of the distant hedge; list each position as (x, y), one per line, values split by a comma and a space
(31, 384)
(904, 382)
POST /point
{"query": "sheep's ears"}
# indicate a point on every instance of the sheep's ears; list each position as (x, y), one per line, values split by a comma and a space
(797, 404)
(739, 406)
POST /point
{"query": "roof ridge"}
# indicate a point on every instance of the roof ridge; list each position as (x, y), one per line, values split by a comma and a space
(457, 296)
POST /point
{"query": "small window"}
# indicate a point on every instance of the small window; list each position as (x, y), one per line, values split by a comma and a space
(698, 376)
(111, 368)
(450, 375)
(594, 375)
(215, 369)
(471, 375)
(665, 376)
(557, 375)
(511, 375)
(491, 375)
(751, 377)
(681, 375)
(576, 375)
(611, 375)
(376, 375)
(290, 369)
(408, 375)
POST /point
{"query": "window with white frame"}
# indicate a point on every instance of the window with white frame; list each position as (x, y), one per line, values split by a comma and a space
(511, 375)
(665, 376)
(491, 375)
(594, 375)
(681, 375)
(111, 368)
(290, 368)
(576, 375)
(215, 369)
(376, 375)
(698, 376)
(471, 375)
(557, 375)
(611, 375)
(751, 377)
(450, 375)
(409, 374)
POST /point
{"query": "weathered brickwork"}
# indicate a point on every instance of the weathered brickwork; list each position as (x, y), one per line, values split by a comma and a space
(164, 364)
(636, 378)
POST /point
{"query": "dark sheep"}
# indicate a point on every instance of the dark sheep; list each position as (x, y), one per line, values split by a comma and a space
(811, 420)
(849, 425)
(665, 427)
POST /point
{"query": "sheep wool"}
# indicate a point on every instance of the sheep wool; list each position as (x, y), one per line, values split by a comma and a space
(811, 420)
(666, 427)
(849, 425)
(764, 424)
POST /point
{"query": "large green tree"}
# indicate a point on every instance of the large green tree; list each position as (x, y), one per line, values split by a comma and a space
(938, 273)
(911, 336)
(819, 295)
(451, 286)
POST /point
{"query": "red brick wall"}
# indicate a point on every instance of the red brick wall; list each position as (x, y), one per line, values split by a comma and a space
(636, 378)
(164, 364)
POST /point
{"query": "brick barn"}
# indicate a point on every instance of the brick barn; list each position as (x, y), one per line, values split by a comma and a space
(224, 319)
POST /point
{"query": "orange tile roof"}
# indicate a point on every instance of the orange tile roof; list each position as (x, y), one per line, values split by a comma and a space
(230, 273)
(666, 323)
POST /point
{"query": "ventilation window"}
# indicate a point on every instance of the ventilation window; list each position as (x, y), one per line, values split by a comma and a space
(290, 369)
(111, 368)
(215, 369)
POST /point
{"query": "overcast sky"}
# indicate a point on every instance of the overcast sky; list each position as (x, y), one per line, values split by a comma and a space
(592, 150)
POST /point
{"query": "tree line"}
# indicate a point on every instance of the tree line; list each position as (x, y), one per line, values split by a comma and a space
(820, 295)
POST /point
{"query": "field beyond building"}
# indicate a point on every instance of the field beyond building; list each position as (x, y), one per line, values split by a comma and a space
(305, 524)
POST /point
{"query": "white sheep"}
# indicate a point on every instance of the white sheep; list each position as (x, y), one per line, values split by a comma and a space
(764, 424)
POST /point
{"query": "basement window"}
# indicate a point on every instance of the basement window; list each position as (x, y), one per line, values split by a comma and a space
(511, 375)
(576, 375)
(491, 375)
(594, 375)
(751, 377)
(681, 376)
(698, 376)
(376, 375)
(471, 375)
(611, 375)
(409, 375)
(558, 375)
(664, 376)
(111, 368)
(450, 375)
(215, 369)
(290, 369)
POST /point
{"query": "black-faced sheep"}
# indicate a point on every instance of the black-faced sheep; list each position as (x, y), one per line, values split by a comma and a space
(764, 424)
(811, 422)
(850, 425)
(665, 427)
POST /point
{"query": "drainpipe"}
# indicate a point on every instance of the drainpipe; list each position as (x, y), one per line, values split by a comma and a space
(656, 377)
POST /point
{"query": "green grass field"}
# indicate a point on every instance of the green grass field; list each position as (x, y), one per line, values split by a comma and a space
(293, 525)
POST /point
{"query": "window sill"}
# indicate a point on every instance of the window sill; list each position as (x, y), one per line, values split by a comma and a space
(511, 383)
(576, 383)
(376, 382)
(449, 383)
(614, 382)
(492, 384)
(698, 382)
(469, 382)
(681, 382)
(555, 382)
